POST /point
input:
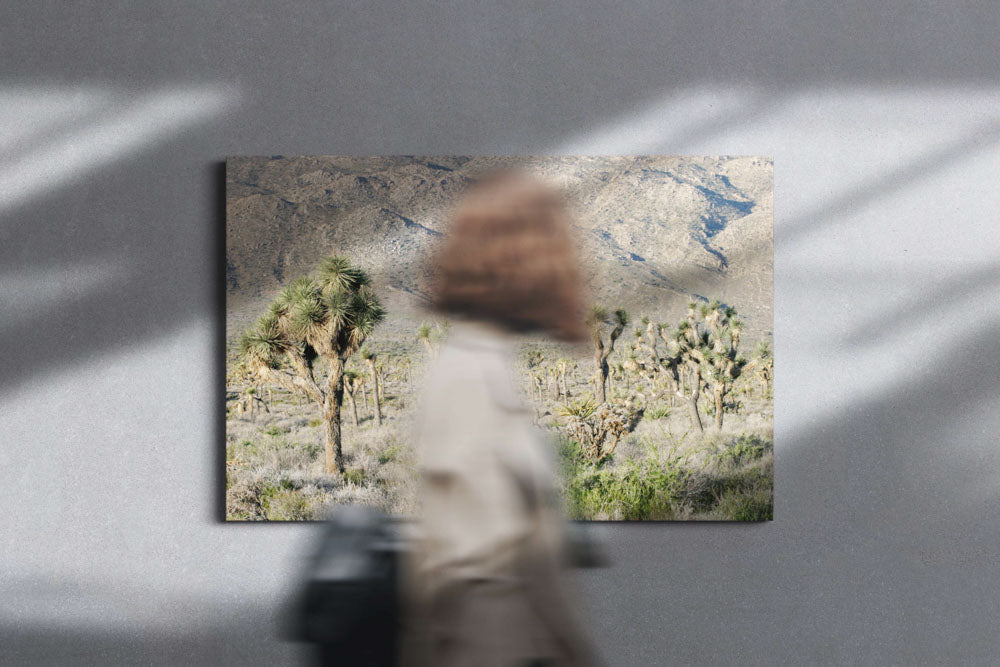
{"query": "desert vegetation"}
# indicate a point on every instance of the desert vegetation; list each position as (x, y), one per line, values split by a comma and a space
(666, 421)
(665, 412)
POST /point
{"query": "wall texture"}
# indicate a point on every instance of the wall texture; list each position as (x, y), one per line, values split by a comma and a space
(885, 128)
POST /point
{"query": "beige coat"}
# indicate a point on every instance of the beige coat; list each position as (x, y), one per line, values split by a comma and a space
(490, 556)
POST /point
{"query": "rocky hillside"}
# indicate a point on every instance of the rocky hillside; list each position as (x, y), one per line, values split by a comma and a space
(655, 231)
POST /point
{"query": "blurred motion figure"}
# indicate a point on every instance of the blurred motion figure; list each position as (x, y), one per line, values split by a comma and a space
(487, 571)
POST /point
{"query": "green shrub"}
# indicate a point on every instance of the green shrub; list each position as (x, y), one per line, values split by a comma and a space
(657, 412)
(313, 423)
(743, 450)
(664, 485)
(388, 454)
(756, 504)
(633, 491)
(355, 476)
(275, 430)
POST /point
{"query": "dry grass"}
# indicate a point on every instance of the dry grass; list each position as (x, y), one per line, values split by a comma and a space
(275, 467)
(662, 470)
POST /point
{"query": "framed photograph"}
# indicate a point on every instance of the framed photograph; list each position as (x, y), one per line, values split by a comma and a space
(665, 413)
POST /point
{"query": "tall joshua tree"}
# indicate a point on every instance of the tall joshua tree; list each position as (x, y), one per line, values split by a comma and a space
(688, 348)
(326, 317)
(723, 365)
(369, 356)
(597, 321)
(703, 348)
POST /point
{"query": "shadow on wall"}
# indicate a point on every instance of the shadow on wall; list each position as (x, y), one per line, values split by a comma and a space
(105, 241)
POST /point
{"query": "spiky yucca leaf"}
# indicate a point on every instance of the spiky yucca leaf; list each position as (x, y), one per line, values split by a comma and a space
(308, 320)
(338, 310)
(337, 274)
(366, 313)
(278, 309)
(262, 344)
(299, 289)
(583, 408)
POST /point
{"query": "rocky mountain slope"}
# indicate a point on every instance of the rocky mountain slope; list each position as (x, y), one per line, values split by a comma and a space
(655, 232)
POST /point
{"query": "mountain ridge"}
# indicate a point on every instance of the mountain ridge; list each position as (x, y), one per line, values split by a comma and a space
(654, 232)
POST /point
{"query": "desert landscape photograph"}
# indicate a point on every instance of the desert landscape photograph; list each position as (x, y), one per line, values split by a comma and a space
(665, 413)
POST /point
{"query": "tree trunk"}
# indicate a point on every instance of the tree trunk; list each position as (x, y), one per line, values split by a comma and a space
(375, 392)
(693, 402)
(601, 378)
(718, 407)
(331, 416)
(354, 406)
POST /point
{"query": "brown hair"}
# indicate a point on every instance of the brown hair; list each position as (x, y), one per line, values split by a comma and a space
(509, 259)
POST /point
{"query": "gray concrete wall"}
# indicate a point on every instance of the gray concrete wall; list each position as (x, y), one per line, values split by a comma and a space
(884, 123)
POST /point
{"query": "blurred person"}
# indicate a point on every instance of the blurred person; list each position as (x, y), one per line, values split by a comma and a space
(490, 551)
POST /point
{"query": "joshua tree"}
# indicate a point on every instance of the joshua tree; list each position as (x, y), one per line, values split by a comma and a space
(689, 349)
(369, 356)
(350, 390)
(722, 363)
(562, 367)
(705, 349)
(764, 367)
(597, 319)
(327, 317)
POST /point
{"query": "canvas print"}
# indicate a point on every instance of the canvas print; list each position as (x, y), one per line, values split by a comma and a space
(663, 412)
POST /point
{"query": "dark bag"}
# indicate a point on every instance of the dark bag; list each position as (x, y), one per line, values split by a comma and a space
(350, 605)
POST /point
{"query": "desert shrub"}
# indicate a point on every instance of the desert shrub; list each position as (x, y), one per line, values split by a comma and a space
(598, 427)
(355, 476)
(744, 449)
(657, 412)
(247, 500)
(275, 430)
(734, 485)
(313, 423)
(277, 454)
(633, 491)
(290, 505)
(740, 484)
(390, 453)
(756, 504)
